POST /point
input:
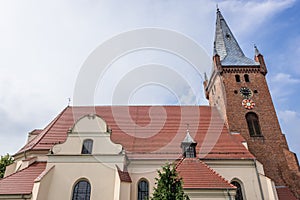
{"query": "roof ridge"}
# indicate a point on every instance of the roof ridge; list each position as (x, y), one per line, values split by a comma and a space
(23, 169)
(44, 173)
(181, 158)
(44, 132)
(214, 172)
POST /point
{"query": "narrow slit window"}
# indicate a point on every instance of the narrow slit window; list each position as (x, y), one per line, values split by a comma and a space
(246, 76)
(237, 78)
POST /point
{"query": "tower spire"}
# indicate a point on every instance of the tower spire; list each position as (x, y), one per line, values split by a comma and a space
(227, 47)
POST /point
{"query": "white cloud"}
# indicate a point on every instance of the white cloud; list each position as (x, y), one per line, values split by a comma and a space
(283, 85)
(285, 79)
(44, 43)
(248, 16)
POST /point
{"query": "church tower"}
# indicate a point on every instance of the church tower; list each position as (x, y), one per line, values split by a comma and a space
(238, 88)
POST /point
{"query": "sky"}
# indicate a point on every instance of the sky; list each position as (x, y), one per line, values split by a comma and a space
(45, 44)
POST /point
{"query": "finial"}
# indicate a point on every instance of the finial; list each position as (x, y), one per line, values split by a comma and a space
(69, 101)
(256, 50)
(218, 10)
(187, 128)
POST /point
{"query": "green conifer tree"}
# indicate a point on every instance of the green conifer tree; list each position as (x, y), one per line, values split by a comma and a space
(169, 185)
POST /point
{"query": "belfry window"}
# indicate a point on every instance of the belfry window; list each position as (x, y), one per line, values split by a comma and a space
(143, 190)
(190, 151)
(253, 124)
(188, 145)
(87, 146)
(246, 77)
(239, 192)
(237, 78)
(82, 190)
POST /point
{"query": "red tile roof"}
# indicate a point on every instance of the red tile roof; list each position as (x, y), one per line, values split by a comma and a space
(22, 181)
(197, 175)
(151, 130)
(284, 193)
(36, 131)
(124, 176)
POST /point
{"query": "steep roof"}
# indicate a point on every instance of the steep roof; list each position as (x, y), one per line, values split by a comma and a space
(197, 175)
(22, 181)
(151, 131)
(227, 47)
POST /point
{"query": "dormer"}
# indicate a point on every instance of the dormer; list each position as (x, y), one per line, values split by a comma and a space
(188, 146)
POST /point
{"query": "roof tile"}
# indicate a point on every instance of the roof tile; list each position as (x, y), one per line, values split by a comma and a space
(22, 181)
(197, 175)
(151, 130)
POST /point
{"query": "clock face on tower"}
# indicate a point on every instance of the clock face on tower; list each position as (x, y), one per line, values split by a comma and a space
(246, 92)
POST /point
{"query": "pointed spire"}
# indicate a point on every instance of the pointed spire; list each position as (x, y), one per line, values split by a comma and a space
(227, 47)
(188, 145)
(188, 138)
(259, 58)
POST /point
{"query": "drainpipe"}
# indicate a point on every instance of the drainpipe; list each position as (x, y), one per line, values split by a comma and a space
(229, 194)
(259, 182)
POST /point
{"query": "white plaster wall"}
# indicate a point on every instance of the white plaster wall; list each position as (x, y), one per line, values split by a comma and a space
(245, 172)
(211, 194)
(125, 191)
(146, 169)
(65, 175)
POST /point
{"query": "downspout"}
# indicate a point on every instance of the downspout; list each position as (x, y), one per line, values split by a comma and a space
(259, 182)
(229, 194)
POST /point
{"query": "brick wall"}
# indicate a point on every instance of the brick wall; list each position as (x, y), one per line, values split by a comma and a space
(271, 150)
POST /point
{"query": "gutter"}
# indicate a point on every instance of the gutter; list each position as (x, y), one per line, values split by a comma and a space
(259, 182)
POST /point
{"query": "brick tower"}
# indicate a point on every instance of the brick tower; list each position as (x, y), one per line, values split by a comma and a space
(238, 88)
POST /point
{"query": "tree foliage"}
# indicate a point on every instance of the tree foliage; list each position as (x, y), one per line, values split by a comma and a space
(169, 185)
(5, 161)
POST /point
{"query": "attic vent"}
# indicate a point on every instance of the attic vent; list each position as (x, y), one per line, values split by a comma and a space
(227, 36)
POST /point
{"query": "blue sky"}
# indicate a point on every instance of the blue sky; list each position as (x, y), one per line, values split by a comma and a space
(43, 45)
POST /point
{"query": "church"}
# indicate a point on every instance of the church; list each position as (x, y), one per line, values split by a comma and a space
(231, 149)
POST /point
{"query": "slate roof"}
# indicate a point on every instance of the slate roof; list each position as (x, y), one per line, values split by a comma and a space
(188, 138)
(197, 175)
(151, 131)
(22, 181)
(227, 47)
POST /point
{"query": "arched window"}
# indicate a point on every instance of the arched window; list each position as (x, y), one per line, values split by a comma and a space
(82, 190)
(246, 76)
(237, 78)
(87, 146)
(143, 190)
(253, 124)
(239, 192)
